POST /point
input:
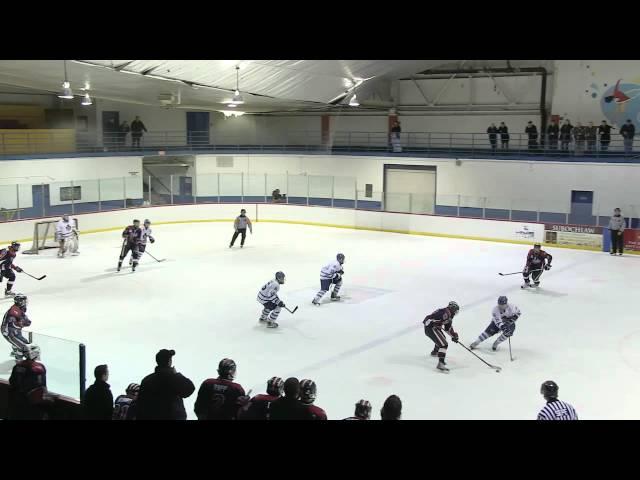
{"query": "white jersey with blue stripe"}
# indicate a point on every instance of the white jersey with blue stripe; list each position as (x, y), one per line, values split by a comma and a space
(498, 316)
(145, 234)
(329, 271)
(269, 292)
(557, 410)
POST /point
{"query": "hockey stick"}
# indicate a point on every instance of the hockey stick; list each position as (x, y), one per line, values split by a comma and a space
(162, 260)
(517, 273)
(37, 278)
(291, 311)
(496, 368)
(510, 356)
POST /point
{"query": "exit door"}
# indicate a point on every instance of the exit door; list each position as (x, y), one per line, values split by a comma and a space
(110, 129)
(198, 128)
(582, 208)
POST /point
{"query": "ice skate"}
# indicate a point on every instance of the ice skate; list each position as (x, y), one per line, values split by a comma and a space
(60, 254)
(315, 302)
(620, 254)
(612, 253)
(262, 320)
(474, 345)
(525, 285)
(335, 298)
(494, 347)
(241, 246)
(8, 293)
(272, 325)
(537, 284)
(442, 367)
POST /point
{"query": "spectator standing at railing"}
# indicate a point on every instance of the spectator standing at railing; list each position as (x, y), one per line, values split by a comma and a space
(493, 135)
(579, 134)
(124, 131)
(604, 130)
(395, 136)
(98, 399)
(532, 132)
(565, 134)
(504, 135)
(136, 131)
(553, 132)
(628, 131)
(592, 135)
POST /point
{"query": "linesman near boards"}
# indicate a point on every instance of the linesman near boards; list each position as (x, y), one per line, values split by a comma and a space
(240, 226)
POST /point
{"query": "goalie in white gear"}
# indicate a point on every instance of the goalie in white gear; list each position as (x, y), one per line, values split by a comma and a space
(67, 236)
(504, 316)
(331, 274)
(271, 303)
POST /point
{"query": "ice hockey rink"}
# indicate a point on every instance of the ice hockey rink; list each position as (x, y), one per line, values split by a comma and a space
(579, 329)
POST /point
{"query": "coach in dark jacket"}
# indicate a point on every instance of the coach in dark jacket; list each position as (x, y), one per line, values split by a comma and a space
(604, 130)
(493, 135)
(532, 133)
(289, 407)
(553, 132)
(565, 134)
(161, 393)
(504, 135)
(98, 399)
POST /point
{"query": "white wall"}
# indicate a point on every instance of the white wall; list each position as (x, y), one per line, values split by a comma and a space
(58, 172)
(507, 184)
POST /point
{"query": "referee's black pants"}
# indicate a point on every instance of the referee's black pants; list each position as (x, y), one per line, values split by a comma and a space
(240, 231)
(617, 241)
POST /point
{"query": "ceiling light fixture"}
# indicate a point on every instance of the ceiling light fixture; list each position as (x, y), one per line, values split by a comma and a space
(232, 113)
(87, 100)
(66, 92)
(354, 101)
(237, 97)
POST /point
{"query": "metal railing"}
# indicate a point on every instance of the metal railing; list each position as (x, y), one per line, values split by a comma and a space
(473, 145)
(37, 200)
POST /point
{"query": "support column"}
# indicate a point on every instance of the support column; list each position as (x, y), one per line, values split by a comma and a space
(325, 129)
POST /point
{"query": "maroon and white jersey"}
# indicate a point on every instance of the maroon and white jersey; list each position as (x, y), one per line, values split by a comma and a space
(536, 259)
(132, 234)
(218, 399)
(7, 256)
(441, 318)
(316, 412)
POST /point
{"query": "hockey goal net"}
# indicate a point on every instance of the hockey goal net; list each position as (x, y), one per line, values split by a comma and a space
(44, 236)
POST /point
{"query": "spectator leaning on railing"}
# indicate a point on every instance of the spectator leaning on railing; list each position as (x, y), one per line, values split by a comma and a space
(493, 135)
(604, 130)
(532, 132)
(592, 135)
(565, 134)
(136, 131)
(580, 135)
(504, 135)
(553, 132)
(628, 131)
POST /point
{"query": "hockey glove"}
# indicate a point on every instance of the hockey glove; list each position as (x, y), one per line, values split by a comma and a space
(547, 266)
(454, 338)
(281, 304)
(18, 269)
(152, 240)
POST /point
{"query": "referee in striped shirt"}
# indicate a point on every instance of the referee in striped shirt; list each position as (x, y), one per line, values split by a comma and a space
(555, 409)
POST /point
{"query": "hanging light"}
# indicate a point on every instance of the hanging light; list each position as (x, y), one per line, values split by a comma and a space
(86, 100)
(66, 92)
(237, 97)
(354, 101)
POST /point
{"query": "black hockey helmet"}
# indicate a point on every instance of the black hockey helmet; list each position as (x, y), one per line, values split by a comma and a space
(363, 409)
(280, 277)
(227, 369)
(537, 246)
(65, 217)
(340, 258)
(15, 245)
(136, 222)
(308, 391)
(243, 211)
(549, 389)
(20, 300)
(275, 386)
(132, 389)
(453, 306)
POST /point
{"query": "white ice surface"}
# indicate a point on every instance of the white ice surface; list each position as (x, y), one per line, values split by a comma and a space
(580, 329)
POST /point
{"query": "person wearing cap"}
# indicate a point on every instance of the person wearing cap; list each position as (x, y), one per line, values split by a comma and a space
(616, 228)
(240, 226)
(162, 392)
(555, 409)
(98, 399)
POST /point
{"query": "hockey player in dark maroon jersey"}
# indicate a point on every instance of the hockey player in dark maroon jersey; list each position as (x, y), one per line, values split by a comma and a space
(434, 325)
(258, 406)
(132, 237)
(7, 255)
(537, 261)
(220, 398)
(12, 324)
(29, 398)
(363, 411)
(308, 392)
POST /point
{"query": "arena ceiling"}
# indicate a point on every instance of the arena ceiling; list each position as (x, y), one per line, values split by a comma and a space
(266, 85)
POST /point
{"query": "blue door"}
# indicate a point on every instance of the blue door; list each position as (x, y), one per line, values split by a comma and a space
(41, 201)
(582, 208)
(198, 128)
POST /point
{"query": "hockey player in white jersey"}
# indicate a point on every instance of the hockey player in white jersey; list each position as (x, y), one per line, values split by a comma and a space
(504, 316)
(271, 303)
(331, 274)
(145, 234)
(67, 236)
